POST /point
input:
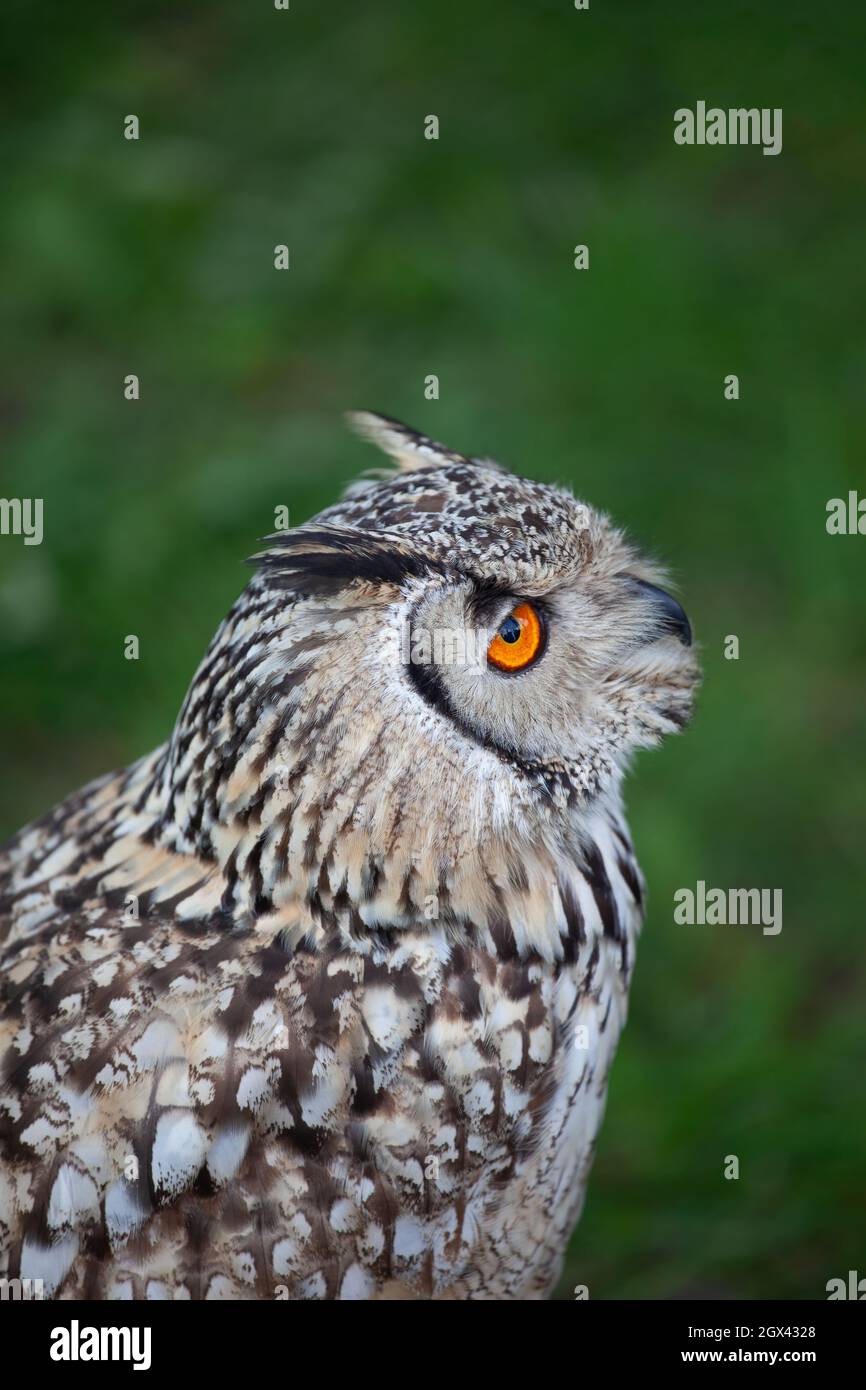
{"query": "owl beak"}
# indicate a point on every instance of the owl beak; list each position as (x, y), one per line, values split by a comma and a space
(670, 615)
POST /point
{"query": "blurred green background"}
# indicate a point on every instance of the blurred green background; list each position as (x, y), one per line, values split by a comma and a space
(455, 257)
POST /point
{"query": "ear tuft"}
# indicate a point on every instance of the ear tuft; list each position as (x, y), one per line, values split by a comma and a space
(405, 446)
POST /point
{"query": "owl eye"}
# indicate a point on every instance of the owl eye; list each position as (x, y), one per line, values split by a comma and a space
(518, 641)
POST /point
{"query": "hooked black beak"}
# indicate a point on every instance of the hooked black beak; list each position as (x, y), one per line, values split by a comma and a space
(671, 615)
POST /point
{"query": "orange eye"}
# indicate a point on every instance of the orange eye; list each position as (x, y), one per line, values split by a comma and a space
(518, 641)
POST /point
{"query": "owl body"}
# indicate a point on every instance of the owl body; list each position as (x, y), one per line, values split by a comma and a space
(319, 999)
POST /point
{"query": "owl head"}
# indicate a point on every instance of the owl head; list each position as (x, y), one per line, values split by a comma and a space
(447, 669)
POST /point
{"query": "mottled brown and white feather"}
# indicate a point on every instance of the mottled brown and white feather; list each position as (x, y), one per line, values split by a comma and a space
(319, 999)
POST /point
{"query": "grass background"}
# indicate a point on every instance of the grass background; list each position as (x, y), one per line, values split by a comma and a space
(455, 257)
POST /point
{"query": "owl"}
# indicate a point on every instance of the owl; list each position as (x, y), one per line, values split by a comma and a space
(319, 999)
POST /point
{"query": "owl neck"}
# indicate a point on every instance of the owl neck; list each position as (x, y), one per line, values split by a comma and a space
(313, 865)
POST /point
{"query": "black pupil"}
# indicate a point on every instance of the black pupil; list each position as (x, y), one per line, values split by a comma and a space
(510, 630)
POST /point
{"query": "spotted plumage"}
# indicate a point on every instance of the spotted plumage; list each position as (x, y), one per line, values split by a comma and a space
(319, 999)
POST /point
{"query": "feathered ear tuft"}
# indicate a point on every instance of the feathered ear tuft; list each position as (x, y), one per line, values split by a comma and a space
(405, 446)
(324, 560)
